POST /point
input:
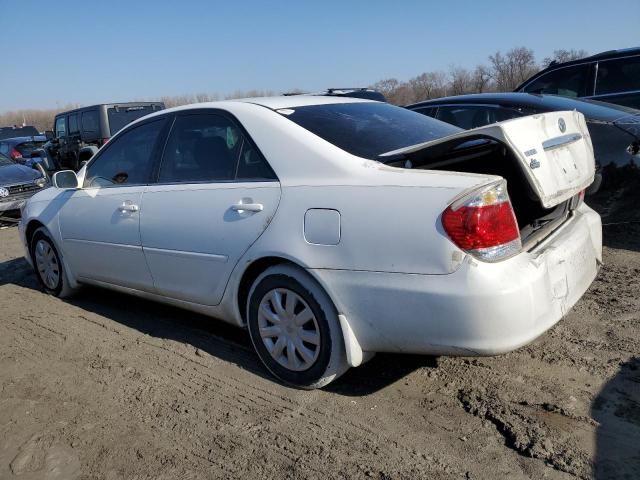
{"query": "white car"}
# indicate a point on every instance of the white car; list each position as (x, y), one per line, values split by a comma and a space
(332, 228)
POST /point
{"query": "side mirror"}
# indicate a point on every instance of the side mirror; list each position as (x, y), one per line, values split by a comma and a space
(65, 180)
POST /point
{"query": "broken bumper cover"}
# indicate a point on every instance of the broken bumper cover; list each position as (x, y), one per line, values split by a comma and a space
(482, 308)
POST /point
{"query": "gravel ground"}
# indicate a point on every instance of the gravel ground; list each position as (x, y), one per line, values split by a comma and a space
(114, 387)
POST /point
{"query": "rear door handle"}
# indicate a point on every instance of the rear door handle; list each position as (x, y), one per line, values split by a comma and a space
(247, 207)
(128, 207)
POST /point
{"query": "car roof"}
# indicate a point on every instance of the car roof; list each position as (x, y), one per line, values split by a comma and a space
(590, 108)
(607, 55)
(112, 104)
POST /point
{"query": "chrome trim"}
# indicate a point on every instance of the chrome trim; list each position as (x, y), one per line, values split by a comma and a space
(182, 253)
(561, 141)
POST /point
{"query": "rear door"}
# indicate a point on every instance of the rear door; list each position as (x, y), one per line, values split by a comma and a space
(215, 196)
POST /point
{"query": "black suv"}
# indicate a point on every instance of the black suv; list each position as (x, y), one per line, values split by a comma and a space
(612, 77)
(79, 133)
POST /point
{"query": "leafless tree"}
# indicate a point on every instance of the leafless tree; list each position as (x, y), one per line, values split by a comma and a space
(428, 85)
(461, 81)
(562, 55)
(511, 69)
(481, 79)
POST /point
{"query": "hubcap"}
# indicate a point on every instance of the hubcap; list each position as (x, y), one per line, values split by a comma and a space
(289, 329)
(47, 264)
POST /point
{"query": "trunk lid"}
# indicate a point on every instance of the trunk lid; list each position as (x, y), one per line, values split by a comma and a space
(553, 149)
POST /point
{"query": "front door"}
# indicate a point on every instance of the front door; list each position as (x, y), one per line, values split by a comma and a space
(214, 197)
(100, 222)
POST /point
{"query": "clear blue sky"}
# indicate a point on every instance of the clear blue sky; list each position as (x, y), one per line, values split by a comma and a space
(72, 51)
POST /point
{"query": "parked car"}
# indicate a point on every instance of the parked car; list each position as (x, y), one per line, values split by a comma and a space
(290, 216)
(612, 76)
(351, 92)
(614, 130)
(17, 184)
(29, 151)
(12, 132)
(79, 133)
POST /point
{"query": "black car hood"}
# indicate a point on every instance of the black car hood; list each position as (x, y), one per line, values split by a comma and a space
(10, 174)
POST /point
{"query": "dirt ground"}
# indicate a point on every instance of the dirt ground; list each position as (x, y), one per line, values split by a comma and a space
(105, 386)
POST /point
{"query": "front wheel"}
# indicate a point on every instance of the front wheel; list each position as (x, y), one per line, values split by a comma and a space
(294, 328)
(49, 268)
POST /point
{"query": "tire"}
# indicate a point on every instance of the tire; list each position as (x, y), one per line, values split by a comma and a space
(318, 355)
(46, 259)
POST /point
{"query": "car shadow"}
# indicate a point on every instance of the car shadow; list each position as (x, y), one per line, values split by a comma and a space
(617, 411)
(210, 335)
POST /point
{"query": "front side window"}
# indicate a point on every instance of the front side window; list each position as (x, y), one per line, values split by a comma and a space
(568, 82)
(61, 128)
(618, 76)
(127, 160)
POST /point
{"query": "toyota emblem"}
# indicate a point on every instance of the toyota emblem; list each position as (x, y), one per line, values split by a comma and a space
(561, 125)
(4, 192)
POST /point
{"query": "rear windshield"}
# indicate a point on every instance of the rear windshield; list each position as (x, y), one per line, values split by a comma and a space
(10, 132)
(119, 117)
(368, 129)
(27, 147)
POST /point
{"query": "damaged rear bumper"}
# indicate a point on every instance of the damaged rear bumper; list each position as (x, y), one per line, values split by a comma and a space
(482, 308)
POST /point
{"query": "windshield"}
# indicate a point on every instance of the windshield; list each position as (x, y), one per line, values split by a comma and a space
(5, 161)
(368, 129)
(119, 117)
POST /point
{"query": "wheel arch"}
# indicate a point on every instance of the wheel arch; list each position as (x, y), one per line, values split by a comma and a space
(354, 352)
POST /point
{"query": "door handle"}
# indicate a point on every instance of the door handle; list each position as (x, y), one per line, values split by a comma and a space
(128, 207)
(247, 207)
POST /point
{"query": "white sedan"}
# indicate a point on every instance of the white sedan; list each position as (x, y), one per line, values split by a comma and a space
(332, 228)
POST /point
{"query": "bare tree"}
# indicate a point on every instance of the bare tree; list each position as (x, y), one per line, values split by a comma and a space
(461, 81)
(562, 55)
(428, 85)
(481, 79)
(511, 69)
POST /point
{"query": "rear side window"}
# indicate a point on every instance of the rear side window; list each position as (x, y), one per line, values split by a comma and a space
(618, 76)
(127, 159)
(473, 116)
(430, 111)
(61, 129)
(73, 124)
(120, 117)
(90, 121)
(27, 148)
(568, 82)
(368, 129)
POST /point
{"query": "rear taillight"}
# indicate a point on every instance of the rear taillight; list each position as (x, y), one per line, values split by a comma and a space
(484, 224)
(15, 154)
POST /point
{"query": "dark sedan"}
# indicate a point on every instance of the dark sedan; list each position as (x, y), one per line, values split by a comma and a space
(17, 184)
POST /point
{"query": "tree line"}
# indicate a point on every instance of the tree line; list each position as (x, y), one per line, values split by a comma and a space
(502, 72)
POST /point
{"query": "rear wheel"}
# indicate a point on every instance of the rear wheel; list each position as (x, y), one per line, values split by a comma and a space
(49, 268)
(294, 328)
